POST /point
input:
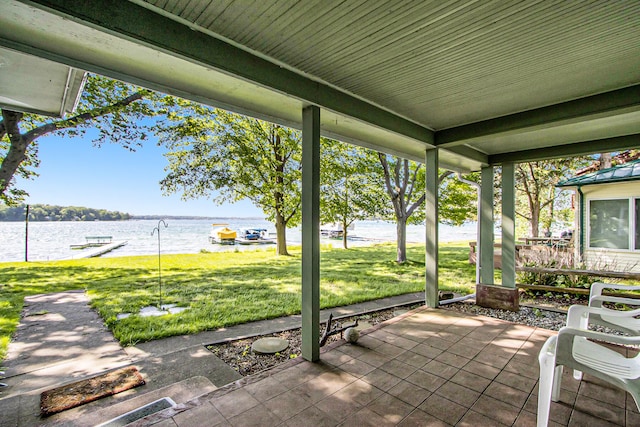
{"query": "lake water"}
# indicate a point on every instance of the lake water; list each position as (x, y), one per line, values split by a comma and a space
(52, 240)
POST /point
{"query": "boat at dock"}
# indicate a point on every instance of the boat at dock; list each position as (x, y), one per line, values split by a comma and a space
(334, 231)
(254, 236)
(222, 235)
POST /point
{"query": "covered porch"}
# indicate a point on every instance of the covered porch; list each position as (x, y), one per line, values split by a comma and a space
(468, 86)
(428, 367)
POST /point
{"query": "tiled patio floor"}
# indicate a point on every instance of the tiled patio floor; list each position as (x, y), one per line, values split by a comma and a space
(425, 368)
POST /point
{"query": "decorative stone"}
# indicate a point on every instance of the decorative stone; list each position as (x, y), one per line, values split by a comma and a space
(399, 312)
(269, 345)
(351, 335)
(152, 311)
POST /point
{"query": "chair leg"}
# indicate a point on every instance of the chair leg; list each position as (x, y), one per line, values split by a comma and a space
(577, 375)
(584, 324)
(547, 361)
(557, 382)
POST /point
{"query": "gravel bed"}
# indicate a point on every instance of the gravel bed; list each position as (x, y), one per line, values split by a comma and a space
(537, 317)
(547, 314)
(239, 356)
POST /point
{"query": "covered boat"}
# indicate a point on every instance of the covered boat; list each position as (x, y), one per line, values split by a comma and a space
(223, 235)
(250, 236)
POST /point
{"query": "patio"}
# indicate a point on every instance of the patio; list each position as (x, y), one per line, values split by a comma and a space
(428, 367)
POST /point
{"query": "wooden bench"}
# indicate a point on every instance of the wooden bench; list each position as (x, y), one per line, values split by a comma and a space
(497, 253)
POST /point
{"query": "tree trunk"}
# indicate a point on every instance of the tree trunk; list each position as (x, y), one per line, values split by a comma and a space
(16, 153)
(344, 235)
(535, 221)
(401, 231)
(281, 236)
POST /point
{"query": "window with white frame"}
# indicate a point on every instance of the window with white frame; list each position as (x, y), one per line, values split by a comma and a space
(612, 223)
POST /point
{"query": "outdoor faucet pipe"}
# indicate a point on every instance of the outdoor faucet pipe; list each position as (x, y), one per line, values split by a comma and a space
(457, 299)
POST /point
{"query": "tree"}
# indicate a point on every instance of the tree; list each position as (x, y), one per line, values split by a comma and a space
(211, 151)
(536, 193)
(114, 108)
(404, 182)
(350, 189)
(58, 213)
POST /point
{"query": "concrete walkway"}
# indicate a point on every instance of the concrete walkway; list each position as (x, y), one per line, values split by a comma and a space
(60, 339)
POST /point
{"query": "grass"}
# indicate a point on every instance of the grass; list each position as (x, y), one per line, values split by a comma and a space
(222, 289)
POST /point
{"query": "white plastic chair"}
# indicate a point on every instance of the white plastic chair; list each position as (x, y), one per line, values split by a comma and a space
(628, 324)
(573, 348)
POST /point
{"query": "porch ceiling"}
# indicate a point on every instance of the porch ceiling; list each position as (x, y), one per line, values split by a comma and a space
(32, 85)
(486, 81)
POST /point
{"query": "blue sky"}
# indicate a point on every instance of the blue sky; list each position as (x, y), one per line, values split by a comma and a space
(75, 173)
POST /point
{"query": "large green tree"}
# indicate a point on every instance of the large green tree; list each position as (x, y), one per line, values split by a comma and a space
(404, 182)
(350, 187)
(233, 157)
(114, 108)
(537, 198)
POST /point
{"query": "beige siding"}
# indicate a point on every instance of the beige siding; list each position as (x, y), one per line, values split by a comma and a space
(611, 259)
(612, 191)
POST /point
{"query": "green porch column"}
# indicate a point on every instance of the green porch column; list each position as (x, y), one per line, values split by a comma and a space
(508, 226)
(311, 233)
(431, 209)
(485, 244)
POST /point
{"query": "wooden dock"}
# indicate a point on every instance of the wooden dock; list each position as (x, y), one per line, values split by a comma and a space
(100, 250)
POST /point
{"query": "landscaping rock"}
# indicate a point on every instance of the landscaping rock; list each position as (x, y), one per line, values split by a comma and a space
(269, 345)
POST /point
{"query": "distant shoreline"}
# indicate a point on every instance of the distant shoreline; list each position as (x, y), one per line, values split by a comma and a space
(149, 217)
(187, 217)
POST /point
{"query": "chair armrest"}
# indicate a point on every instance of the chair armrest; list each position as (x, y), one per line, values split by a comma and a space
(578, 312)
(596, 288)
(569, 332)
(598, 300)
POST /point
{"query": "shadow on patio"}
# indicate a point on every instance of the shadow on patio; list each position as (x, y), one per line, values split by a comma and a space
(425, 368)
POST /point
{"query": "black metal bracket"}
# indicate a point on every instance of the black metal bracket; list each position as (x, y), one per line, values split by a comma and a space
(328, 331)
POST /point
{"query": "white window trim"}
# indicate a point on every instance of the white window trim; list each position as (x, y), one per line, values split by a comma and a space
(632, 225)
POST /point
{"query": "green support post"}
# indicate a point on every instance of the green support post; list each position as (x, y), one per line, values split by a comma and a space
(508, 226)
(311, 233)
(431, 209)
(485, 244)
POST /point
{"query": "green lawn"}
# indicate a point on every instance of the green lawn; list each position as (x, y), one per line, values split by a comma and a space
(222, 289)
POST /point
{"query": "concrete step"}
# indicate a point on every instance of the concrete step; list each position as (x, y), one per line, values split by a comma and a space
(179, 392)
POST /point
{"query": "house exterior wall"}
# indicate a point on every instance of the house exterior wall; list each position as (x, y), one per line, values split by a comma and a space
(611, 258)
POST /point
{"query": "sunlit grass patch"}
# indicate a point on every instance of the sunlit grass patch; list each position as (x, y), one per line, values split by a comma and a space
(222, 289)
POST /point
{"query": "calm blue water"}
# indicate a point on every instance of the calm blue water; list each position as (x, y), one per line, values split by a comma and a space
(51, 240)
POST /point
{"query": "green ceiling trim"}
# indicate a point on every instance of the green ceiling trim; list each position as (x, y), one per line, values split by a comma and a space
(605, 145)
(126, 19)
(470, 153)
(603, 103)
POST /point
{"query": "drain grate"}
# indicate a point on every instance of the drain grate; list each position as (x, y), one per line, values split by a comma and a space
(141, 412)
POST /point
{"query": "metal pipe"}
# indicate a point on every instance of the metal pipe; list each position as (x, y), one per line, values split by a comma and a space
(457, 299)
